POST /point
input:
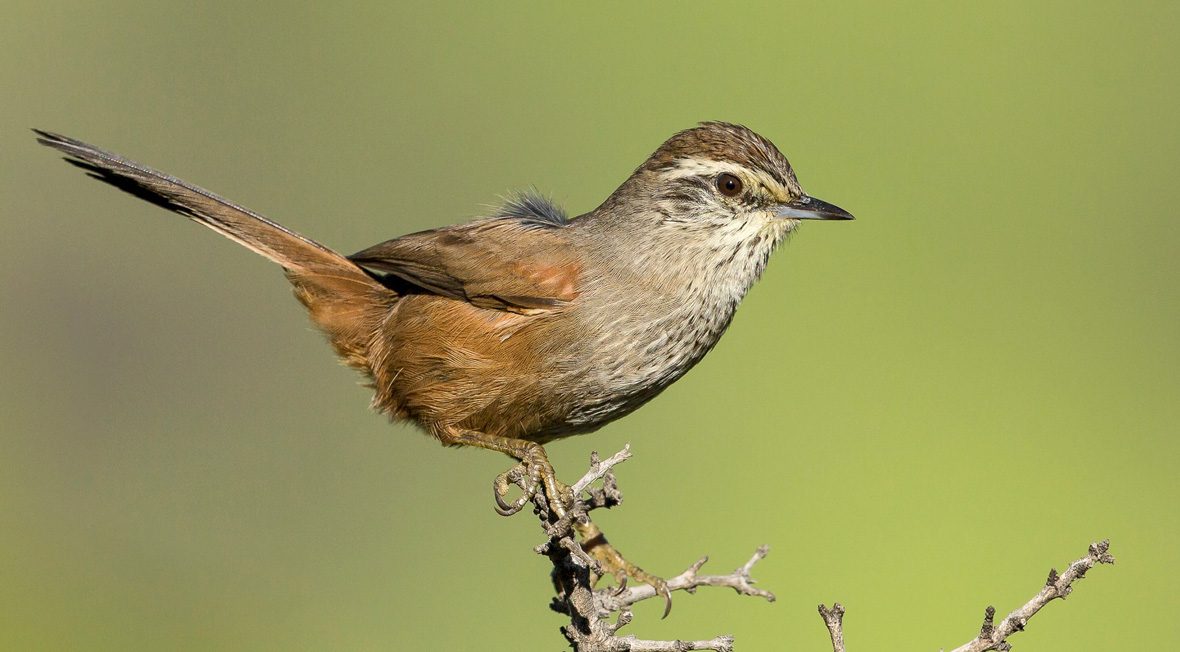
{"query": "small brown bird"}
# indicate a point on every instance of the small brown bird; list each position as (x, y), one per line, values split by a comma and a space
(509, 332)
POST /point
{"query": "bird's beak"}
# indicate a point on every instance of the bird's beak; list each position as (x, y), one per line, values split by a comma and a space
(810, 208)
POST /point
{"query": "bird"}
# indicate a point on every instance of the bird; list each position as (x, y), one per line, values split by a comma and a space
(527, 326)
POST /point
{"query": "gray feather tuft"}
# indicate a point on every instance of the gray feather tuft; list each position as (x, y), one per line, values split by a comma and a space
(531, 206)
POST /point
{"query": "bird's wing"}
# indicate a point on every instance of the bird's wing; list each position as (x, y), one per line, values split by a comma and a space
(502, 264)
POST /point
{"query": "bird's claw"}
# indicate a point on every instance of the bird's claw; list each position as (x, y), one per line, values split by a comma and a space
(659, 585)
(613, 563)
(533, 473)
(514, 476)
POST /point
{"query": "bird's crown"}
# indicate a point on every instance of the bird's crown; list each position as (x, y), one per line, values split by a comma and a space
(724, 147)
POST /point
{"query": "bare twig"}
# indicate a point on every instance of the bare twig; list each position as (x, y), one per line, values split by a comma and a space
(574, 571)
(599, 469)
(720, 643)
(995, 637)
(590, 610)
(739, 580)
(834, 619)
(992, 636)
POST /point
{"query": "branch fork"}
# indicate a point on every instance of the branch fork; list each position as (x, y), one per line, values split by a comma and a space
(591, 628)
(993, 636)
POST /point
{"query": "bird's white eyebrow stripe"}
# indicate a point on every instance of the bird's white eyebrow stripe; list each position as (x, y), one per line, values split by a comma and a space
(692, 167)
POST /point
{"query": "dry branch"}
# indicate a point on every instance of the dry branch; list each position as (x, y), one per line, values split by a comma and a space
(591, 628)
(995, 637)
(590, 610)
(992, 636)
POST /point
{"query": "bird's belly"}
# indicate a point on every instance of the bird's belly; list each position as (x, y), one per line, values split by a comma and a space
(629, 371)
(540, 377)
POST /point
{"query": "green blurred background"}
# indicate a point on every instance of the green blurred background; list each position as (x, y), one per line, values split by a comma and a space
(921, 411)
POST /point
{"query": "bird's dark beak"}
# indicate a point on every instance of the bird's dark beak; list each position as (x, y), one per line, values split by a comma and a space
(810, 208)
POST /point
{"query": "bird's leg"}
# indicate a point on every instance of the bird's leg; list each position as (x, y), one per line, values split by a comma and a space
(534, 471)
(612, 561)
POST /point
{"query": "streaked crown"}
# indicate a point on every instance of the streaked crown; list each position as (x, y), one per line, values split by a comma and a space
(724, 143)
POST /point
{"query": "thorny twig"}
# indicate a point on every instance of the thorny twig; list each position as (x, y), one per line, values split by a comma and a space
(834, 619)
(739, 580)
(590, 610)
(992, 636)
(995, 637)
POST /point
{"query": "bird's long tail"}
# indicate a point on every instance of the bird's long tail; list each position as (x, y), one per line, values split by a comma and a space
(344, 301)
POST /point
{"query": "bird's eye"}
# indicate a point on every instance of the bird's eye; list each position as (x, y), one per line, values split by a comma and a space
(729, 185)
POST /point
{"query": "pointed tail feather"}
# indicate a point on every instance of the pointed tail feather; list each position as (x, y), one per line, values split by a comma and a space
(343, 300)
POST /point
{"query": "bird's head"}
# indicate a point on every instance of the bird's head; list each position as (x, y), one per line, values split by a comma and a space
(722, 176)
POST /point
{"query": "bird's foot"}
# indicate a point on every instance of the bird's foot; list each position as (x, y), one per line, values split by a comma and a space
(613, 563)
(534, 473)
